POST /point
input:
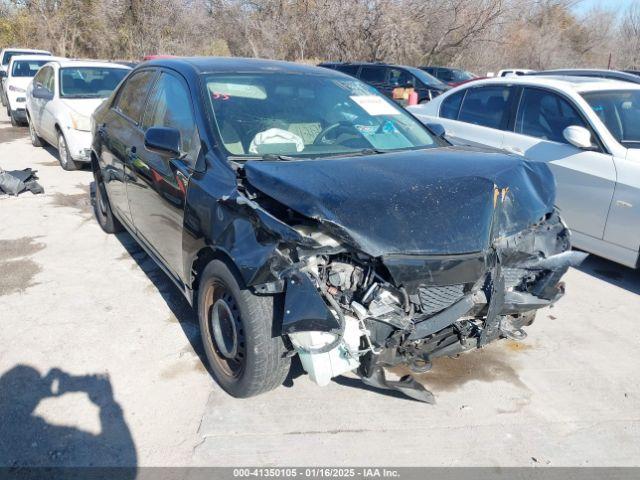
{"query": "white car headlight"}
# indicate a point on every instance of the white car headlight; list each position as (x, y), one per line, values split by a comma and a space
(80, 122)
(13, 88)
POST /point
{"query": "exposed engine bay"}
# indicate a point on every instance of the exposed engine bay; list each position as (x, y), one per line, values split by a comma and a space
(366, 287)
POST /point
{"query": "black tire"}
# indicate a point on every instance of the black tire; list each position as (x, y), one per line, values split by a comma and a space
(14, 120)
(254, 361)
(102, 207)
(36, 140)
(64, 157)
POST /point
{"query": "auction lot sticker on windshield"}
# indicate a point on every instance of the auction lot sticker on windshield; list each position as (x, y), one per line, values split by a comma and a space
(374, 105)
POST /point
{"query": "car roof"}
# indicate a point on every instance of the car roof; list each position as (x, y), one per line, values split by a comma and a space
(65, 62)
(24, 50)
(17, 58)
(200, 65)
(560, 82)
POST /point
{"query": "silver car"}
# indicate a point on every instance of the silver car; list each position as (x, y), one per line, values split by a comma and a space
(586, 129)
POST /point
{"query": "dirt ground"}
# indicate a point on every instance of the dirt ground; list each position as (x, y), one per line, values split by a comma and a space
(100, 364)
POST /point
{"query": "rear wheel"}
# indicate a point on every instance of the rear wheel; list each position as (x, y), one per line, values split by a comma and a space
(246, 359)
(36, 141)
(102, 207)
(66, 162)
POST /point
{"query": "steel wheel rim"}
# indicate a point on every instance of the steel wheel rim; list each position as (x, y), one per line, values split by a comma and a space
(225, 332)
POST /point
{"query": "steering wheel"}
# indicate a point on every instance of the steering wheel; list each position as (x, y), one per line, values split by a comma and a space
(321, 138)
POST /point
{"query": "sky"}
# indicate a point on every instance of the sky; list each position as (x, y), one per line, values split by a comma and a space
(615, 5)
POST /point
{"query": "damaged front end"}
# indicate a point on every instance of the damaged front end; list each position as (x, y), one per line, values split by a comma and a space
(356, 300)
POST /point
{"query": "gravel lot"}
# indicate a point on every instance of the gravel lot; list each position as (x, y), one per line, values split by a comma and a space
(95, 307)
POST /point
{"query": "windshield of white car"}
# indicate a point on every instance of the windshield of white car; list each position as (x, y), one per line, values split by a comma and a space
(619, 110)
(26, 68)
(89, 82)
(6, 58)
(295, 115)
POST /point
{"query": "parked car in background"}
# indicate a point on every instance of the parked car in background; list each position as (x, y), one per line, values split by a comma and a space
(5, 58)
(302, 212)
(513, 71)
(387, 78)
(586, 129)
(21, 70)
(590, 72)
(60, 101)
(451, 76)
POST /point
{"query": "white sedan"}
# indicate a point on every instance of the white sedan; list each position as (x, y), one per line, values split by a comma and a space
(60, 101)
(587, 130)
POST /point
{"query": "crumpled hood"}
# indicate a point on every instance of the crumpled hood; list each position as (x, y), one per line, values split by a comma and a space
(432, 201)
(83, 106)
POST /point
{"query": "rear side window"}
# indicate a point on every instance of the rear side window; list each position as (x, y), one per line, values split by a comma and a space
(133, 94)
(373, 74)
(451, 105)
(486, 106)
(401, 78)
(543, 114)
(348, 69)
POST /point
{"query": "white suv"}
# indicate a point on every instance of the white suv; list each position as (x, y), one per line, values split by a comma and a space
(5, 58)
(60, 101)
(586, 129)
(22, 69)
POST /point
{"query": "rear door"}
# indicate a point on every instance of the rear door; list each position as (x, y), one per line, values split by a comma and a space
(122, 138)
(478, 115)
(585, 179)
(158, 182)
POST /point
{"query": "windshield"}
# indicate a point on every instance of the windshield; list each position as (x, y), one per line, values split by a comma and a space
(619, 110)
(308, 115)
(6, 58)
(89, 82)
(27, 68)
(427, 79)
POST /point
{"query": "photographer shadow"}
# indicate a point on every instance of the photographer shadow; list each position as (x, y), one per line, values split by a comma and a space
(27, 440)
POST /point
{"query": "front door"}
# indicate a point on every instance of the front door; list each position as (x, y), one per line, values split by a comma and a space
(158, 182)
(585, 179)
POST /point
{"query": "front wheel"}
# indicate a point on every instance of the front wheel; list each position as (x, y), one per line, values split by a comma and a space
(66, 162)
(246, 358)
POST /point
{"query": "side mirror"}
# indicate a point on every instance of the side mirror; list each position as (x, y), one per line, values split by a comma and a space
(578, 136)
(163, 140)
(437, 129)
(41, 92)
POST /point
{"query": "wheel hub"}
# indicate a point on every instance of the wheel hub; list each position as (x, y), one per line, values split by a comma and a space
(223, 326)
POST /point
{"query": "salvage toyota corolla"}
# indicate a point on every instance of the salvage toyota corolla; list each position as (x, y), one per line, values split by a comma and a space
(301, 212)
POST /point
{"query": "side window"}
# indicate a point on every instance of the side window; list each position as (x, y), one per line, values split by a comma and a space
(170, 106)
(39, 79)
(348, 69)
(401, 78)
(543, 114)
(486, 106)
(373, 74)
(50, 81)
(451, 105)
(133, 94)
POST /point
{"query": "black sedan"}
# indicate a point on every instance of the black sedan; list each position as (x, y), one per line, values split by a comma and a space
(302, 212)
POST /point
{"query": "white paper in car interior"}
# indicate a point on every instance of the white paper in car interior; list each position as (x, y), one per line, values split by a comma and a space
(374, 105)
